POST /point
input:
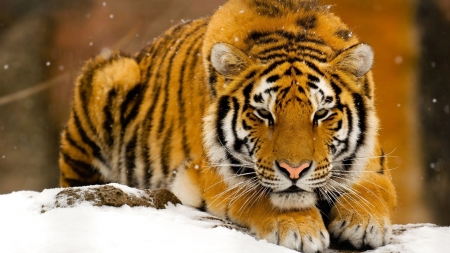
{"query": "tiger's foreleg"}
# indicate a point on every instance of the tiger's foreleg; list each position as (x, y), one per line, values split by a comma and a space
(250, 206)
(362, 215)
(106, 93)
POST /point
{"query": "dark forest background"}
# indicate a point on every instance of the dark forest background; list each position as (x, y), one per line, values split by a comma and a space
(44, 43)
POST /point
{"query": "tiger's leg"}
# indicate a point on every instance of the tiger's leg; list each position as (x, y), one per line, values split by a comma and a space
(105, 97)
(75, 160)
(302, 230)
(362, 215)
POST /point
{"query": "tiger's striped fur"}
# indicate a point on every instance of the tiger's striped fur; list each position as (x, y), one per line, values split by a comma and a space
(262, 114)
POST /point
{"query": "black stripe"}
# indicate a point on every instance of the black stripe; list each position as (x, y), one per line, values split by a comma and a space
(313, 79)
(337, 90)
(109, 120)
(148, 173)
(314, 67)
(248, 80)
(338, 127)
(130, 106)
(271, 89)
(288, 72)
(222, 112)
(272, 50)
(332, 148)
(346, 110)
(304, 48)
(130, 158)
(83, 169)
(146, 132)
(312, 85)
(258, 98)
(283, 93)
(271, 67)
(382, 162)
(96, 152)
(273, 78)
(237, 168)
(246, 126)
(348, 162)
(72, 142)
(166, 151)
(349, 122)
(212, 80)
(314, 57)
(238, 143)
(250, 75)
(362, 124)
(273, 57)
(361, 111)
(297, 71)
(85, 93)
(322, 95)
(247, 91)
(367, 88)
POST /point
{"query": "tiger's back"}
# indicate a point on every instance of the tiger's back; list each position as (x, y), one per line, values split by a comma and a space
(136, 119)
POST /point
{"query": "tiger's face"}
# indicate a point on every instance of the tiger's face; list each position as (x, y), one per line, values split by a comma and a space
(290, 129)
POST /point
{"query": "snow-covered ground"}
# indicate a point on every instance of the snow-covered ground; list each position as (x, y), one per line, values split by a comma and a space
(24, 227)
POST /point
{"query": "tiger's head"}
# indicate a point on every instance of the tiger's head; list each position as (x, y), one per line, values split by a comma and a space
(291, 115)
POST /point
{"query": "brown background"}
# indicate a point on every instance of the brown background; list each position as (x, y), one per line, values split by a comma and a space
(44, 43)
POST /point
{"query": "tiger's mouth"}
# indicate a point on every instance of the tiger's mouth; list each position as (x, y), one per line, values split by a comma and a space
(292, 189)
(293, 198)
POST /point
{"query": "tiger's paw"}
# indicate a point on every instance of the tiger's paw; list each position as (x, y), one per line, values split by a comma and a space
(295, 231)
(360, 229)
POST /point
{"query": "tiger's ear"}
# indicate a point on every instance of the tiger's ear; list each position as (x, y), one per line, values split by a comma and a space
(357, 60)
(228, 60)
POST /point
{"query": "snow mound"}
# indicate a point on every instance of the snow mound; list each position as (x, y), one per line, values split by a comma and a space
(53, 221)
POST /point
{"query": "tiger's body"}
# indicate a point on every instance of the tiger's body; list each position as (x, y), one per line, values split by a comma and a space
(260, 114)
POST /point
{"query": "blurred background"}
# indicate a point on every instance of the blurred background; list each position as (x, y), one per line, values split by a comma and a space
(44, 43)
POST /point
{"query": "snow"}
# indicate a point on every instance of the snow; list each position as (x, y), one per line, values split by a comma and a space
(86, 228)
(420, 238)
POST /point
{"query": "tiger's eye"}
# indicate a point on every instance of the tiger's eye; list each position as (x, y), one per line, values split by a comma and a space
(321, 113)
(263, 113)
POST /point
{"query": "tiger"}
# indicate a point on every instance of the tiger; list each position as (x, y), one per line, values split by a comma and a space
(261, 114)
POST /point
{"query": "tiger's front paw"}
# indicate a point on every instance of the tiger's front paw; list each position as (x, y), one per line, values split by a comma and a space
(362, 229)
(297, 230)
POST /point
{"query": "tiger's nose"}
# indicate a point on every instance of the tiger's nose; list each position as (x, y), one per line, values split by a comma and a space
(295, 172)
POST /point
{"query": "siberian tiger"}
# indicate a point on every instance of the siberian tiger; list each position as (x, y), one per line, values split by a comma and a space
(262, 114)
